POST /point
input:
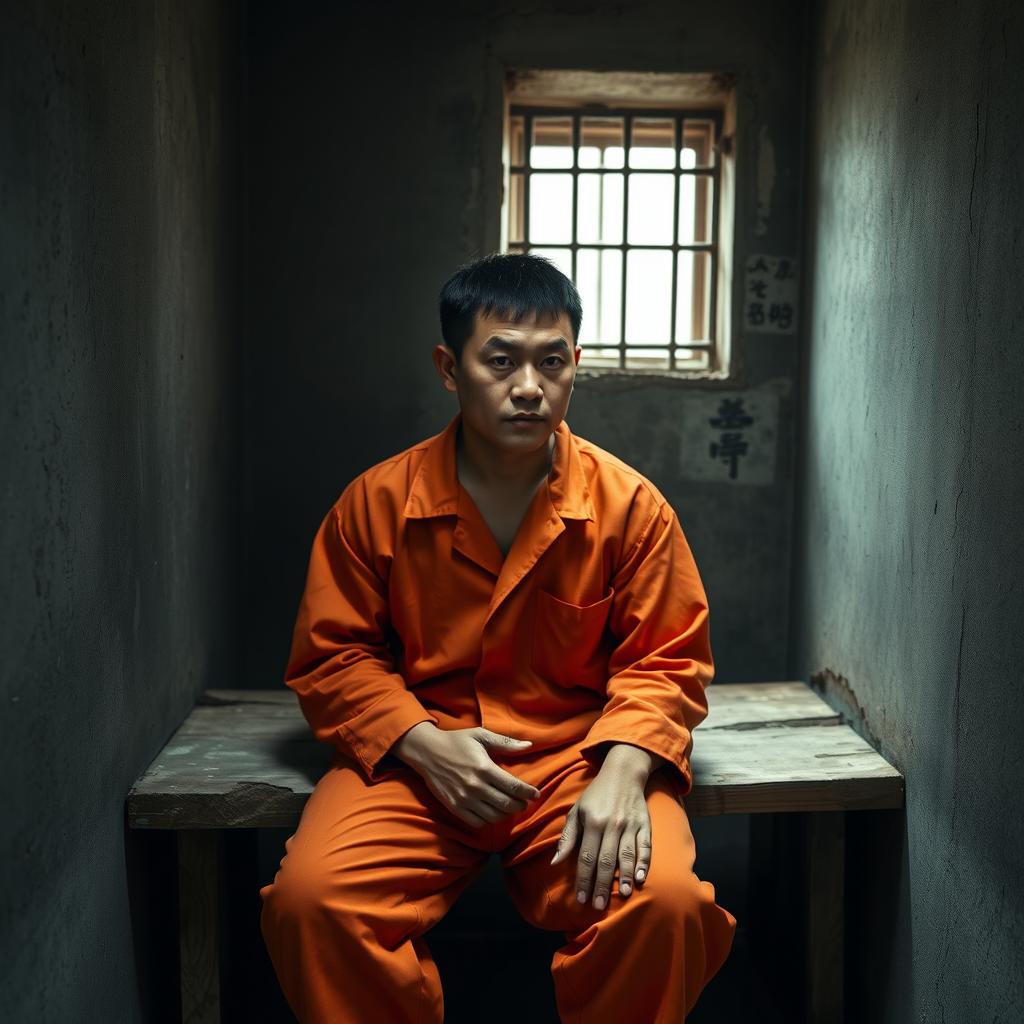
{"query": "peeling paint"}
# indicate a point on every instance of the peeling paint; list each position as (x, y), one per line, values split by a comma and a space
(836, 690)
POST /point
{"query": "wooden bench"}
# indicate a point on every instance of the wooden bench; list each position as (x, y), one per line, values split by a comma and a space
(246, 759)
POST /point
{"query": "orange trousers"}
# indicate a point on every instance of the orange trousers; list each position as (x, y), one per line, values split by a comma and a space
(373, 866)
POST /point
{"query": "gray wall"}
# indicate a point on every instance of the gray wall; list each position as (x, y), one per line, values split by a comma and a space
(118, 528)
(373, 155)
(909, 529)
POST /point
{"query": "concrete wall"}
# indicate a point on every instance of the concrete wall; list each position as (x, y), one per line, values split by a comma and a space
(909, 530)
(374, 170)
(118, 472)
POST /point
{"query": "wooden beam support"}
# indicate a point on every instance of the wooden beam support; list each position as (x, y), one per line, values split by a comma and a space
(824, 905)
(200, 905)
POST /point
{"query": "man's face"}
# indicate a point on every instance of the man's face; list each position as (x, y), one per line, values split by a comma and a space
(510, 368)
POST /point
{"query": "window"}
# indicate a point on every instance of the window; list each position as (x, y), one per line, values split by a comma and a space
(625, 200)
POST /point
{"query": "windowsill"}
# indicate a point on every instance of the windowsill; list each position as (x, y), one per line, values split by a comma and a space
(620, 376)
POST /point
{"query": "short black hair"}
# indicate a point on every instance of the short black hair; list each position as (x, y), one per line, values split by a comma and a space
(515, 285)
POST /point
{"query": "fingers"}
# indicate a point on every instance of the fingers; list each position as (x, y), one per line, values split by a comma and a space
(477, 810)
(501, 780)
(567, 840)
(459, 804)
(586, 863)
(643, 852)
(485, 811)
(596, 868)
(504, 792)
(627, 862)
(493, 792)
(602, 849)
(501, 801)
(471, 784)
(513, 786)
(503, 795)
(466, 815)
(634, 858)
(498, 739)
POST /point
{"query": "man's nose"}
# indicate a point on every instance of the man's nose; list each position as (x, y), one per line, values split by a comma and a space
(527, 384)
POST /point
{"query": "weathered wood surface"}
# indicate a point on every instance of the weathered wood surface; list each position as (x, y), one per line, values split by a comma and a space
(787, 768)
(246, 758)
(754, 705)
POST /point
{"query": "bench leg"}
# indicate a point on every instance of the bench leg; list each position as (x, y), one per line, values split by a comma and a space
(200, 866)
(824, 867)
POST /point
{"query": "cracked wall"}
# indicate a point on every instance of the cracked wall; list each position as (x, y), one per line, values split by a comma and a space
(908, 564)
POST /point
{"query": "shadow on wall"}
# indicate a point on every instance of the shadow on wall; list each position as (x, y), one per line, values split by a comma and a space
(878, 899)
(878, 895)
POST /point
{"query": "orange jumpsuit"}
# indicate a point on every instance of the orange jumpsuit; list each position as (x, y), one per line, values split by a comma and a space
(593, 630)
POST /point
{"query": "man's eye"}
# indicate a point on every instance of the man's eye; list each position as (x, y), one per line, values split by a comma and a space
(503, 362)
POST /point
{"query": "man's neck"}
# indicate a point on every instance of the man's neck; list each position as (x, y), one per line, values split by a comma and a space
(498, 471)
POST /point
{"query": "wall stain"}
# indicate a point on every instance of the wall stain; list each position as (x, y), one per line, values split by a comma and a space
(836, 690)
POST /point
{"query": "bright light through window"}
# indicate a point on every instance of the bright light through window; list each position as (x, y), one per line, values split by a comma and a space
(633, 226)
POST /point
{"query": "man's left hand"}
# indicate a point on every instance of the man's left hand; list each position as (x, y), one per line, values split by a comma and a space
(612, 818)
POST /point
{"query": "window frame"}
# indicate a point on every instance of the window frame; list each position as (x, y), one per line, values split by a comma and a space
(717, 302)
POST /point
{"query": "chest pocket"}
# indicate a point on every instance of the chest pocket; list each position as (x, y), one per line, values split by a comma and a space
(567, 645)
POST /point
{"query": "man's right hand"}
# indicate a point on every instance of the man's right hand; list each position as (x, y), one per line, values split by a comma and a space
(460, 773)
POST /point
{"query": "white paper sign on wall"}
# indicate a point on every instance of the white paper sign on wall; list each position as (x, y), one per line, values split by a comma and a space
(770, 294)
(730, 437)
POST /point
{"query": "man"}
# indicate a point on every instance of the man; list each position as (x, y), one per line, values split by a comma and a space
(505, 638)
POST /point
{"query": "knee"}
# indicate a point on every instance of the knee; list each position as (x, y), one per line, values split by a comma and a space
(298, 892)
(314, 896)
(674, 898)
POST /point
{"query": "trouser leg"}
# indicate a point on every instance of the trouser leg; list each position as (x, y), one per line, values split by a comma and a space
(370, 868)
(646, 957)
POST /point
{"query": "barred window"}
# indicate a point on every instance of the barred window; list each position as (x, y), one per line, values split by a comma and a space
(626, 202)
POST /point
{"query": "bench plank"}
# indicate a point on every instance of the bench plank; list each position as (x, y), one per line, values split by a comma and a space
(247, 759)
(755, 705)
(789, 768)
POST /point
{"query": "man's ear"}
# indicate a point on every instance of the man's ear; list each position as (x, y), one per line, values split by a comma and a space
(447, 366)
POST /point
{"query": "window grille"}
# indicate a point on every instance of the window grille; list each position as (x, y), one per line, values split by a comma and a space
(625, 202)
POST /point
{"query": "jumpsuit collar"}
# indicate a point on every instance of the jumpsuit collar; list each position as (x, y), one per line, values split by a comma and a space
(435, 488)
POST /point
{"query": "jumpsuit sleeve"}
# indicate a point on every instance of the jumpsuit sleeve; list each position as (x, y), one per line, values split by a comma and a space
(340, 666)
(663, 662)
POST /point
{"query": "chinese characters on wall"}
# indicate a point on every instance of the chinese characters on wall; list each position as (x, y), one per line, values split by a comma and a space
(730, 437)
(770, 294)
(731, 446)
